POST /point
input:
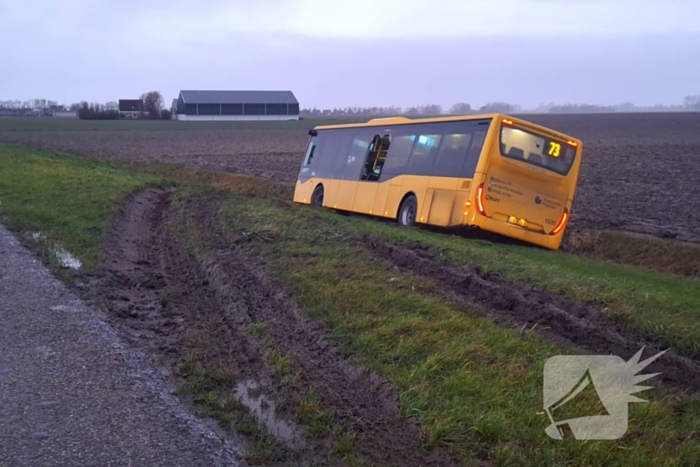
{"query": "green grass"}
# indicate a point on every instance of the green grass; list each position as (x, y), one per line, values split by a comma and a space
(71, 124)
(661, 306)
(472, 384)
(66, 198)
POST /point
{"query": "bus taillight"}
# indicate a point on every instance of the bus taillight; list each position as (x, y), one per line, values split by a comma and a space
(480, 200)
(561, 224)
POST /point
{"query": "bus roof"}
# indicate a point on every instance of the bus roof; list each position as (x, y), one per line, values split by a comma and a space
(407, 121)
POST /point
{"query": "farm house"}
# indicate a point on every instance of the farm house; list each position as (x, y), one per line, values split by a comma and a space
(237, 105)
(130, 108)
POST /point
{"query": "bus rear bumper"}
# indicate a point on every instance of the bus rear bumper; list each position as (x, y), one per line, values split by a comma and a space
(551, 242)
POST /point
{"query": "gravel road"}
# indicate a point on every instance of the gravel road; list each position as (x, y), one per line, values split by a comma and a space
(73, 394)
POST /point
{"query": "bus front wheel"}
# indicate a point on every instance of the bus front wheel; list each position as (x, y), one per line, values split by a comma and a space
(317, 197)
(407, 212)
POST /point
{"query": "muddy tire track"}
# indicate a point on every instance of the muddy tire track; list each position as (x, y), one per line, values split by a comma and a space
(362, 402)
(131, 282)
(163, 298)
(518, 305)
(163, 301)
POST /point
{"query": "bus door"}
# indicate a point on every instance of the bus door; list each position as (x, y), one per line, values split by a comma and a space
(526, 182)
(369, 192)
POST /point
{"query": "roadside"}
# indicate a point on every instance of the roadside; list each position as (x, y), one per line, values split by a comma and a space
(71, 393)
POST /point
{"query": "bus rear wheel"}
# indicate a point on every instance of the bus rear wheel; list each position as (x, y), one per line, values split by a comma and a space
(407, 212)
(317, 197)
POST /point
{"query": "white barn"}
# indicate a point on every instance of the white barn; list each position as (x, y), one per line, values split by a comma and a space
(237, 105)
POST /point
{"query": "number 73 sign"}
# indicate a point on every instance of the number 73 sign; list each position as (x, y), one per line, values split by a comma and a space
(554, 149)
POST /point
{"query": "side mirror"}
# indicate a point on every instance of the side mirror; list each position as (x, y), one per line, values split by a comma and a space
(313, 132)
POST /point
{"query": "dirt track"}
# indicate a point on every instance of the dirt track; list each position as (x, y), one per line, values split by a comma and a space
(639, 171)
(164, 299)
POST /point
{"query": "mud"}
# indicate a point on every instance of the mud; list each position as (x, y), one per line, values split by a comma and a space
(574, 325)
(161, 301)
(166, 300)
(363, 403)
(132, 284)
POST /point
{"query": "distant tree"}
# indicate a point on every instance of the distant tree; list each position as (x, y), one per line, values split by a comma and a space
(430, 109)
(75, 107)
(460, 108)
(626, 107)
(498, 107)
(96, 111)
(582, 108)
(544, 107)
(692, 102)
(165, 114)
(152, 103)
(84, 111)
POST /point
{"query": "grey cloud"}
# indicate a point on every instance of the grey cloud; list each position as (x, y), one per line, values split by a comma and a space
(104, 53)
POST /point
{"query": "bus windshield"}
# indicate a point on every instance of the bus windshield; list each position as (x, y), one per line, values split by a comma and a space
(535, 149)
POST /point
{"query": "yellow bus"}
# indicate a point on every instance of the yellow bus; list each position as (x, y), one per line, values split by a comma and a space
(495, 172)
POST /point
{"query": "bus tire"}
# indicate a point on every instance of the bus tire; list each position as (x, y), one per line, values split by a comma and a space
(407, 211)
(317, 197)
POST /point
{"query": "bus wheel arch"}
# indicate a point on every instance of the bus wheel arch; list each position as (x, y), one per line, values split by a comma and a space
(317, 196)
(408, 210)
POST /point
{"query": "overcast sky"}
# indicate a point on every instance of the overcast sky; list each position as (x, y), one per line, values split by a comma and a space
(355, 52)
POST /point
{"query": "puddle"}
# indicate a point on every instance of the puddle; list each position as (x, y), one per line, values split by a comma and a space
(64, 257)
(263, 409)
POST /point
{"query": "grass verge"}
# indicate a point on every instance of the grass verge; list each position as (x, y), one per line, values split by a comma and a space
(66, 199)
(475, 387)
(232, 183)
(637, 250)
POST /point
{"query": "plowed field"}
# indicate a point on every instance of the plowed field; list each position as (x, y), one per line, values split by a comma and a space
(639, 173)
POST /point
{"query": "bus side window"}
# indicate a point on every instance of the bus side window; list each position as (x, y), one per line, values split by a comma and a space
(479, 137)
(356, 157)
(341, 157)
(450, 158)
(327, 158)
(310, 153)
(309, 158)
(473, 155)
(423, 154)
(400, 151)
